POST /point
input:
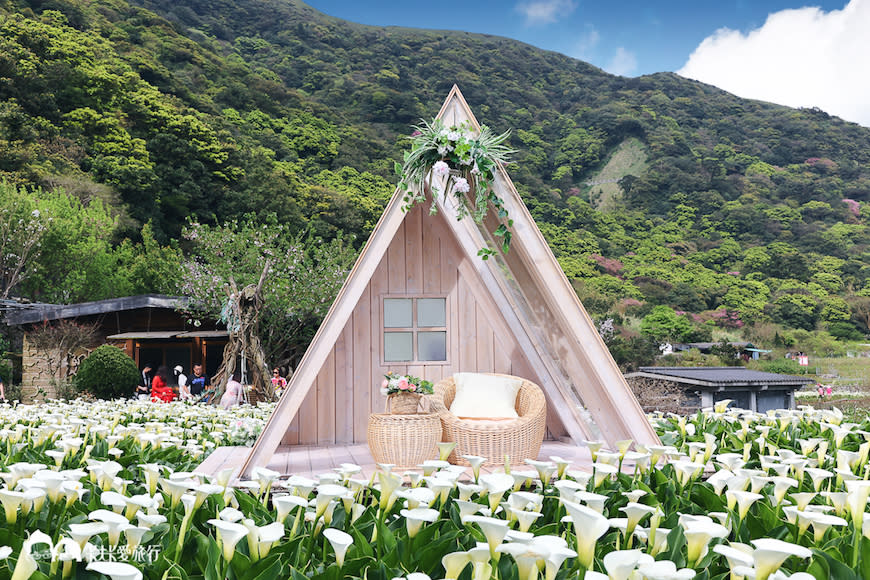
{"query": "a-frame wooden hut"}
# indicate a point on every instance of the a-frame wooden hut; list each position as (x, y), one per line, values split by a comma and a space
(515, 313)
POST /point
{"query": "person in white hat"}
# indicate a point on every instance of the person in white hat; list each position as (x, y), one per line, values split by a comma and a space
(183, 389)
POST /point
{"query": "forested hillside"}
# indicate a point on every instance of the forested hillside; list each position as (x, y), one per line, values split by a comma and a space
(653, 191)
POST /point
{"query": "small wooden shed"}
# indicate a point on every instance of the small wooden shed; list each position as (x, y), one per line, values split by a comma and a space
(420, 301)
(684, 390)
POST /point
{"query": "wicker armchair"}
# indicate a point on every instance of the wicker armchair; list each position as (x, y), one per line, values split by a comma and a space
(519, 439)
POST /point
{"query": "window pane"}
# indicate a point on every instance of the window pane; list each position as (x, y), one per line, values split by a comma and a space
(431, 312)
(397, 313)
(398, 346)
(432, 345)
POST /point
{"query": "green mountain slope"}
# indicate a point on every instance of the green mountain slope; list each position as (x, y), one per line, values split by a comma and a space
(741, 211)
(629, 158)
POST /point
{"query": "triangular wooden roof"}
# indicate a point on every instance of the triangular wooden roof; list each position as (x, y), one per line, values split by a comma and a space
(576, 371)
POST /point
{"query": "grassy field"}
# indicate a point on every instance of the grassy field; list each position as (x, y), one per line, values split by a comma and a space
(849, 378)
(628, 159)
(843, 372)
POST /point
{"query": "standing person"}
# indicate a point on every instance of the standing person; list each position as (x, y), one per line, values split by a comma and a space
(144, 387)
(828, 391)
(181, 379)
(279, 383)
(821, 391)
(2, 391)
(198, 382)
(233, 394)
(160, 389)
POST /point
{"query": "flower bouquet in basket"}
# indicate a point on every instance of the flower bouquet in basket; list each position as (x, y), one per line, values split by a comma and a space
(403, 392)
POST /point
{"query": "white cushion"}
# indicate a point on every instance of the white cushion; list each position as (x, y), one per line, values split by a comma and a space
(485, 396)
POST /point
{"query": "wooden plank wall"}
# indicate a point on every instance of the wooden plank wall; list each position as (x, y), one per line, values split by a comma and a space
(423, 258)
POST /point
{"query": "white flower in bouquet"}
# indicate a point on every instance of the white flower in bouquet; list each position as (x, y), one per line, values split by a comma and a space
(440, 168)
(461, 185)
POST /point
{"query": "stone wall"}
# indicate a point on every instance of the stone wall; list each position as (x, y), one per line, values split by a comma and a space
(37, 382)
(663, 396)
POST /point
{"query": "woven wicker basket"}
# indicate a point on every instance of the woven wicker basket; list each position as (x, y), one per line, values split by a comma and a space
(404, 440)
(403, 403)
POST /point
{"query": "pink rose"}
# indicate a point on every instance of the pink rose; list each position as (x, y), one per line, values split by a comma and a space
(412, 388)
(402, 384)
(385, 384)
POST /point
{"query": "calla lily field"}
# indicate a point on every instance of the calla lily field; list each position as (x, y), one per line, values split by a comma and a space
(109, 490)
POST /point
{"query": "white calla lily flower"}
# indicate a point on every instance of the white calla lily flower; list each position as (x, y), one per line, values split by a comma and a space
(81, 533)
(340, 542)
(589, 525)
(496, 484)
(414, 518)
(26, 564)
(284, 504)
(454, 563)
(228, 534)
(116, 570)
(621, 563)
(11, 501)
(116, 524)
(770, 553)
(493, 529)
(665, 570)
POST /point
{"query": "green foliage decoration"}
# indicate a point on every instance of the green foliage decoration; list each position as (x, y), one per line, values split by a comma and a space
(467, 165)
(107, 373)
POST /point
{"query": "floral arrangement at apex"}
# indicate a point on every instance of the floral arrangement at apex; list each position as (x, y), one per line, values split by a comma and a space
(394, 383)
(468, 163)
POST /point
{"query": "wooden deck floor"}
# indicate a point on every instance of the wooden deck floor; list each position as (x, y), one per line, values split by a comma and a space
(309, 461)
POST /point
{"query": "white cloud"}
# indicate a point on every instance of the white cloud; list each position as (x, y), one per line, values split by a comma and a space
(799, 58)
(586, 44)
(545, 11)
(623, 63)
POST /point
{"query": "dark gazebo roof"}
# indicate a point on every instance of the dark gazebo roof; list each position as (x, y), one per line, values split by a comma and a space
(30, 313)
(716, 377)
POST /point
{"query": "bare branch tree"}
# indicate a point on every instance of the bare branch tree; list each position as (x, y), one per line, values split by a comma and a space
(242, 313)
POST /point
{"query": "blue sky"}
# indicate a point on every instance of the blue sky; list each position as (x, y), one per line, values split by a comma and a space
(738, 45)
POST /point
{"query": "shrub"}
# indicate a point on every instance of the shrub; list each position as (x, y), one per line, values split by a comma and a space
(784, 366)
(13, 392)
(107, 373)
(633, 352)
(843, 330)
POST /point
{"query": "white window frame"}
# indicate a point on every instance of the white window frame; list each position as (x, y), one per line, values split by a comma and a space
(414, 329)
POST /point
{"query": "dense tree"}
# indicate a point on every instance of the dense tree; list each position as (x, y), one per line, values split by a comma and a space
(663, 324)
(139, 114)
(22, 228)
(301, 278)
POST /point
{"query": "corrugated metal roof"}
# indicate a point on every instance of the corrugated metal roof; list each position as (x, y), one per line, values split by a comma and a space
(708, 345)
(722, 376)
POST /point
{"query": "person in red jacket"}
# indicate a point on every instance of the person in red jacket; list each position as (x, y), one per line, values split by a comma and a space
(161, 392)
